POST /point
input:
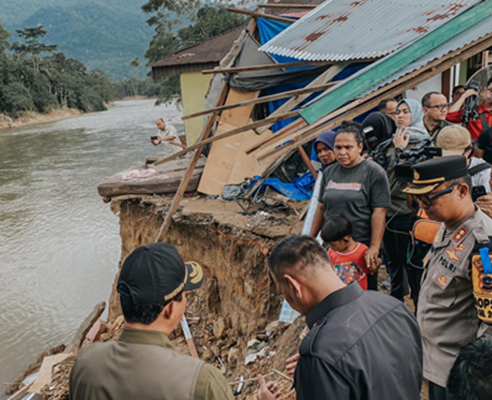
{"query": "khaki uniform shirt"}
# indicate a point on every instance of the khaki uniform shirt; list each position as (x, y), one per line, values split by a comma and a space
(446, 312)
(143, 365)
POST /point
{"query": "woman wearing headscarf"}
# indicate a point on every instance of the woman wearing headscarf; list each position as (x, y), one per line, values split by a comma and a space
(323, 146)
(400, 218)
(383, 128)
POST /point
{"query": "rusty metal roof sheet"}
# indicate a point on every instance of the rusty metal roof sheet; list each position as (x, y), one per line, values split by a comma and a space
(340, 30)
(476, 32)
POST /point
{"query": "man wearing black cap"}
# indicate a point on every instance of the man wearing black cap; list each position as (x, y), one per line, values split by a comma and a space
(459, 256)
(142, 363)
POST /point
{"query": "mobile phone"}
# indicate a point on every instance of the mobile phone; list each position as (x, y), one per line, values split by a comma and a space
(478, 191)
(154, 138)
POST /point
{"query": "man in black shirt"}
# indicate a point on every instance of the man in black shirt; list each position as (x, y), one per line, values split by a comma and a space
(362, 345)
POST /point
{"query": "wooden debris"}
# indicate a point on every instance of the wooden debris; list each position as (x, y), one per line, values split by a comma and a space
(85, 327)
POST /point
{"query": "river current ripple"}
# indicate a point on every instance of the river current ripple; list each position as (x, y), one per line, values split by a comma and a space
(59, 243)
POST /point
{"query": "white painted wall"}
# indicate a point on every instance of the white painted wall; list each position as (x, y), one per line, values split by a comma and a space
(430, 85)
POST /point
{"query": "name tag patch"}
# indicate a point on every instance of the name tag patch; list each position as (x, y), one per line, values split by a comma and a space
(447, 264)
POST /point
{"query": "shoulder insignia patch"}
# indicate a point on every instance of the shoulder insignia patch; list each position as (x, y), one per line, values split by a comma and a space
(460, 234)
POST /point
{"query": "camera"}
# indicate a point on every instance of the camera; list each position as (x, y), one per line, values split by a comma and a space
(410, 157)
(471, 104)
(154, 138)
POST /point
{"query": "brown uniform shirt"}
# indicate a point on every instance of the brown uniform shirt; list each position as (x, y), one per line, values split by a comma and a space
(446, 312)
(144, 365)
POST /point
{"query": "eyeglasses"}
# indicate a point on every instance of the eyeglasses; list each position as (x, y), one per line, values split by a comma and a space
(441, 107)
(427, 200)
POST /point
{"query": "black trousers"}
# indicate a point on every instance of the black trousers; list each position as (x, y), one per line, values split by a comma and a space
(437, 392)
(396, 244)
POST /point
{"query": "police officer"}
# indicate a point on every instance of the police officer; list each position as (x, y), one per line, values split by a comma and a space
(454, 304)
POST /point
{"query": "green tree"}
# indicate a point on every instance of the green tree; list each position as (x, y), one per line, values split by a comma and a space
(15, 98)
(4, 38)
(32, 45)
(182, 23)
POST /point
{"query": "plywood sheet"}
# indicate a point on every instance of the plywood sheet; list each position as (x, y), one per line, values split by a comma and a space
(238, 116)
(228, 163)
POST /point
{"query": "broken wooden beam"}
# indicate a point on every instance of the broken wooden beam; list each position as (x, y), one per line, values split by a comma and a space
(289, 105)
(260, 15)
(308, 163)
(285, 5)
(187, 176)
(296, 64)
(233, 132)
(265, 99)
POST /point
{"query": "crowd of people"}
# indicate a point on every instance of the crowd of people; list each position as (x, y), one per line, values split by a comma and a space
(378, 179)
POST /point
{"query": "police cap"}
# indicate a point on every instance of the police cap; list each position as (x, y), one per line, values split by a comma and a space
(428, 175)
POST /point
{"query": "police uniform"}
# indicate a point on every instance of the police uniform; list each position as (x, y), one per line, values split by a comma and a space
(452, 311)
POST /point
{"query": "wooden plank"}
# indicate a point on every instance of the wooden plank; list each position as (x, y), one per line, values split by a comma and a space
(285, 131)
(85, 327)
(296, 64)
(326, 76)
(265, 99)
(308, 163)
(282, 5)
(397, 87)
(189, 172)
(261, 15)
(392, 63)
(228, 134)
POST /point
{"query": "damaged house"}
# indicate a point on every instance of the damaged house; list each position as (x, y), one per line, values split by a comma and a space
(252, 108)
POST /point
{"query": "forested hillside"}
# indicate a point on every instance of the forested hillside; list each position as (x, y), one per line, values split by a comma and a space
(35, 76)
(104, 35)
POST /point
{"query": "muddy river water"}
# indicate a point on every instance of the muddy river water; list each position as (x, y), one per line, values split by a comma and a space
(59, 243)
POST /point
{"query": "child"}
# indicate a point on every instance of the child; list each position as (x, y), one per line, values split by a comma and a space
(346, 255)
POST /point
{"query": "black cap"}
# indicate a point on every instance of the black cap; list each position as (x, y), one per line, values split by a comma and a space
(428, 175)
(156, 273)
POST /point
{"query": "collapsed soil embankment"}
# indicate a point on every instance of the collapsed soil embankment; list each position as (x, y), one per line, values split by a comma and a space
(234, 316)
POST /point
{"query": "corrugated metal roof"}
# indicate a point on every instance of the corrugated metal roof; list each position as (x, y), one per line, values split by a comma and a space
(476, 32)
(340, 30)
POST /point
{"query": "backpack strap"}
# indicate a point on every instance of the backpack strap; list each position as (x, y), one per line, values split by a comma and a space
(478, 168)
(485, 123)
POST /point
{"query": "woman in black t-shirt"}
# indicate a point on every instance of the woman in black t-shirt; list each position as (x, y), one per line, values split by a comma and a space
(358, 190)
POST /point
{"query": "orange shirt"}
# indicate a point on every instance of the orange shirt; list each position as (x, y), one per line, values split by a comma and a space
(351, 266)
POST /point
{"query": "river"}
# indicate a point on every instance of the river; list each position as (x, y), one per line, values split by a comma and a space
(59, 243)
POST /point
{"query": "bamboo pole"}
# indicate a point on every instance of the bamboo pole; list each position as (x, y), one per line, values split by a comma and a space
(261, 15)
(262, 67)
(233, 132)
(265, 99)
